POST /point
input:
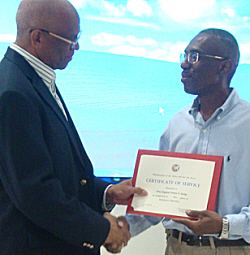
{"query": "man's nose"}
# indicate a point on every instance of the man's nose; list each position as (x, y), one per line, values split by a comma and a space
(77, 46)
(185, 64)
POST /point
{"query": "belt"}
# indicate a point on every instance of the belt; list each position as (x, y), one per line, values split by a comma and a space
(205, 241)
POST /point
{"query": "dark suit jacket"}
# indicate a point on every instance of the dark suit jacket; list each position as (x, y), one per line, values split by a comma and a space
(45, 207)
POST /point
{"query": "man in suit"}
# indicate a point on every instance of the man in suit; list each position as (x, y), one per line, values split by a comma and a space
(50, 202)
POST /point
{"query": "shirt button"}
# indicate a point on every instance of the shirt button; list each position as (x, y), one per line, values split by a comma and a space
(204, 130)
(83, 182)
(218, 118)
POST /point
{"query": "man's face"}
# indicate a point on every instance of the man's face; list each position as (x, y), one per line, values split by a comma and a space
(202, 78)
(57, 53)
(54, 51)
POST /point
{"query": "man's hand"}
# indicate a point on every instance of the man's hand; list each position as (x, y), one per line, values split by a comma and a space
(121, 192)
(205, 222)
(118, 236)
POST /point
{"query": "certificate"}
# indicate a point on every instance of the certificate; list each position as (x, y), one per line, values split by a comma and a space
(175, 182)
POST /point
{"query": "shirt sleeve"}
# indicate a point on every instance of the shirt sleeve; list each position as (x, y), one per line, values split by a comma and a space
(239, 225)
(165, 140)
(106, 206)
(139, 223)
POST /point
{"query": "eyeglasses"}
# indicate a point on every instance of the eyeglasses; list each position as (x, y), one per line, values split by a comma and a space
(72, 43)
(193, 57)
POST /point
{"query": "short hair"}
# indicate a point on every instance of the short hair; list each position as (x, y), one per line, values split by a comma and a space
(228, 46)
(227, 42)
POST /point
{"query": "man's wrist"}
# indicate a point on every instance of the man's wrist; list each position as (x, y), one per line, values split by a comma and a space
(109, 194)
(107, 205)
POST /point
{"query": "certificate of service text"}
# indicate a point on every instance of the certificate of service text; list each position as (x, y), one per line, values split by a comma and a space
(175, 182)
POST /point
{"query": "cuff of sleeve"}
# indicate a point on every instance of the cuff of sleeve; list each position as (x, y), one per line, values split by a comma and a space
(237, 224)
(106, 206)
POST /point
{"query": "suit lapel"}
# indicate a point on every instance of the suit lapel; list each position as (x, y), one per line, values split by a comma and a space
(76, 139)
(48, 98)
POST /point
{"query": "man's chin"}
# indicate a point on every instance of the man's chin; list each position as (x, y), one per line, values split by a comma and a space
(189, 90)
(62, 66)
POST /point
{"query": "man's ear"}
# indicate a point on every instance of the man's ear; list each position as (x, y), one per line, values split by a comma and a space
(226, 66)
(36, 38)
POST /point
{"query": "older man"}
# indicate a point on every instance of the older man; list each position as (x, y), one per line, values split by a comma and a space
(217, 123)
(50, 202)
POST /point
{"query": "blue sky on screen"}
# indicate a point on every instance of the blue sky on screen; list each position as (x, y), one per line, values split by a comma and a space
(158, 29)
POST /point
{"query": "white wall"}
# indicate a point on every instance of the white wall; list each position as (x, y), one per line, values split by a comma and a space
(151, 241)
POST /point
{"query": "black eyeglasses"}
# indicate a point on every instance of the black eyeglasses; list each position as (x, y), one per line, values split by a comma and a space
(72, 43)
(193, 57)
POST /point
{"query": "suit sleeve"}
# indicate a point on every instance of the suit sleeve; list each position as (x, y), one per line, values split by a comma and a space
(29, 179)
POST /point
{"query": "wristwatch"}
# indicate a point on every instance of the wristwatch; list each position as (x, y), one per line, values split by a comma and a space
(225, 228)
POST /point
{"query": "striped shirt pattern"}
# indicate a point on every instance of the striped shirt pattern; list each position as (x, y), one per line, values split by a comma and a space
(45, 72)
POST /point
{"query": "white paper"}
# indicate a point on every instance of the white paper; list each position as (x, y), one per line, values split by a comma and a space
(173, 184)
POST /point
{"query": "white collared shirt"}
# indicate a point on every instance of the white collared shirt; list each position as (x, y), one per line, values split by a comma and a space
(225, 134)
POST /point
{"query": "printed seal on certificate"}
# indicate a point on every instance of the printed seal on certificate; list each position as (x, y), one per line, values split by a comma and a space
(175, 182)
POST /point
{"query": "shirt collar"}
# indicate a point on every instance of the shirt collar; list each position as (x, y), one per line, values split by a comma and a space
(44, 71)
(232, 99)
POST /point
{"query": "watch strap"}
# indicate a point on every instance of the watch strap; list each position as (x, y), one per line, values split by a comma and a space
(225, 228)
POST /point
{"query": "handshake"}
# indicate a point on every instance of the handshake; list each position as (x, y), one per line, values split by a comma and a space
(119, 235)
(119, 229)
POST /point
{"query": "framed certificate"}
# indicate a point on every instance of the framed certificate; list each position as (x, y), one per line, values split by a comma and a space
(175, 182)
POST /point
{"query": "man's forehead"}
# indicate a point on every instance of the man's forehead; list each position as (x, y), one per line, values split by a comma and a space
(201, 42)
